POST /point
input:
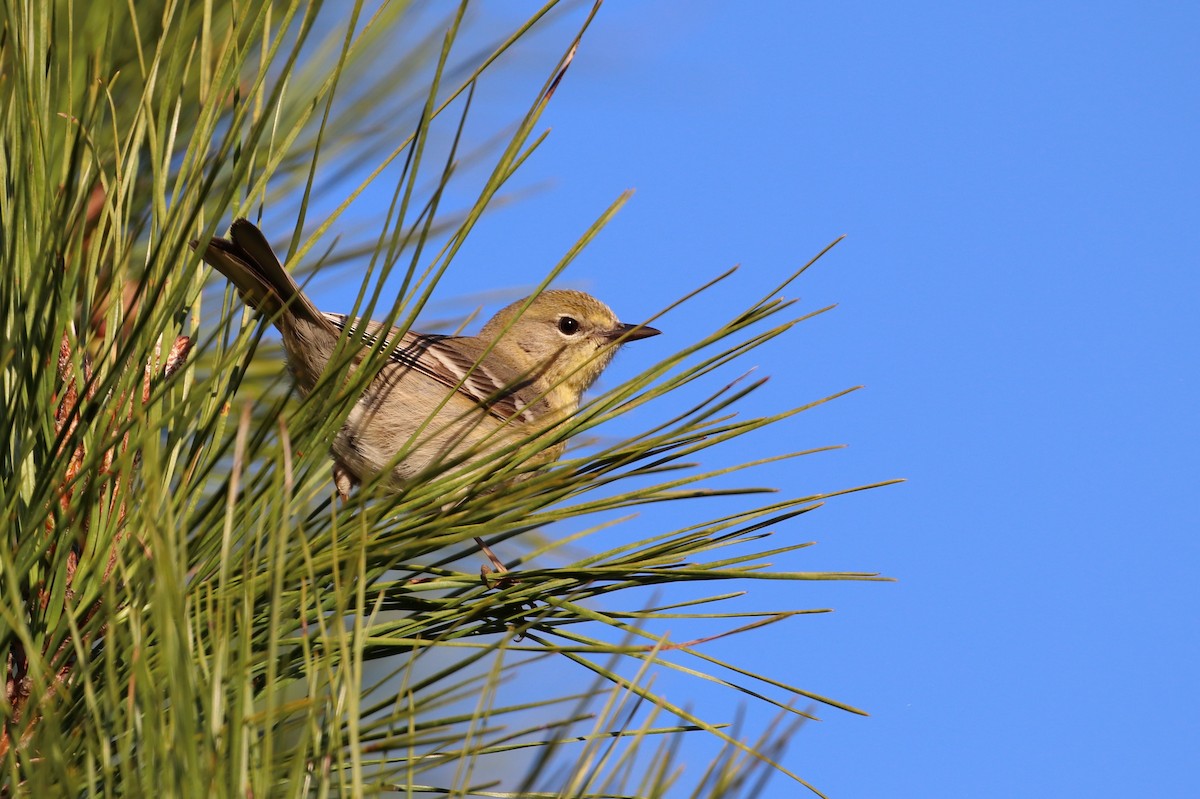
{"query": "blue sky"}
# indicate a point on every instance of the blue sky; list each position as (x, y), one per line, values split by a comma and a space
(1019, 190)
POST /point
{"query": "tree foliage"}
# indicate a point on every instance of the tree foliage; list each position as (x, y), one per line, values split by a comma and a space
(183, 608)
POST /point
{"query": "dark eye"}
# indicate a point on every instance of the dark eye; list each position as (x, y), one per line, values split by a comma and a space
(568, 326)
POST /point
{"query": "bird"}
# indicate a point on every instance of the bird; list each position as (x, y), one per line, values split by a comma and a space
(436, 402)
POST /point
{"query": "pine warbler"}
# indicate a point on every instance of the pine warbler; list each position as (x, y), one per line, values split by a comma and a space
(436, 398)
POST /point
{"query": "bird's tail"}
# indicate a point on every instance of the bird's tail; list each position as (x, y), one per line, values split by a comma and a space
(246, 258)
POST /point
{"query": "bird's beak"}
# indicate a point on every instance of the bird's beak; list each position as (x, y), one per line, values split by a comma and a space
(632, 332)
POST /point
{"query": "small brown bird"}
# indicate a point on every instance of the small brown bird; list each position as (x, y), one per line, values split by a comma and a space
(436, 397)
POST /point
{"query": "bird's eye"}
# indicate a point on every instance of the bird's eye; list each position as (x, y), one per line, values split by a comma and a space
(568, 325)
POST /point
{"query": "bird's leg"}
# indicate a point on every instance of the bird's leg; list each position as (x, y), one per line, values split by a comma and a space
(343, 480)
(498, 566)
(485, 571)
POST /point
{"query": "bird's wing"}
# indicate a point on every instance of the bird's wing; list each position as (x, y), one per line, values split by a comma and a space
(502, 391)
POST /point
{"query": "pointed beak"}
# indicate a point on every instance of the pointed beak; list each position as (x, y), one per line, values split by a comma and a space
(632, 332)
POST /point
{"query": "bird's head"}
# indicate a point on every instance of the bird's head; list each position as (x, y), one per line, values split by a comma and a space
(567, 336)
